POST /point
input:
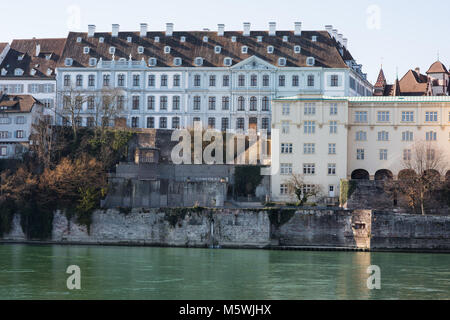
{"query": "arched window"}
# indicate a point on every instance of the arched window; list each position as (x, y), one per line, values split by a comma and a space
(265, 104)
(253, 104)
(241, 104)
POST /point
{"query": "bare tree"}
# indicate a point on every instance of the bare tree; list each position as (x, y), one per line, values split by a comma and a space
(423, 167)
(108, 105)
(72, 100)
(302, 190)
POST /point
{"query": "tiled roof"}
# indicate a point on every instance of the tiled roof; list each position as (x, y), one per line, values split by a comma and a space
(3, 46)
(414, 83)
(325, 50)
(22, 54)
(437, 67)
(17, 103)
(381, 80)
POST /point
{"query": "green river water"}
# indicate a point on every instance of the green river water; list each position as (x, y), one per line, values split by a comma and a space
(39, 272)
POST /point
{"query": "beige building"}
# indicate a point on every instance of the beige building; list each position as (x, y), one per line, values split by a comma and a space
(327, 139)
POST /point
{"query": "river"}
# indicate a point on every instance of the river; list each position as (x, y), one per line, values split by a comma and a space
(39, 272)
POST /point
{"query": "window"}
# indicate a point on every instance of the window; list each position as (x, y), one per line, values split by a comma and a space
(136, 80)
(265, 80)
(164, 81)
(310, 127)
(176, 80)
(311, 80)
(286, 109)
(334, 80)
(198, 61)
(67, 80)
(91, 102)
(361, 136)
(241, 80)
(331, 148)
(225, 124)
(226, 81)
(431, 136)
(282, 81)
(79, 80)
(254, 80)
(297, 49)
(333, 109)
(383, 154)
(151, 123)
(195, 120)
(19, 134)
(152, 62)
(259, 38)
(286, 169)
(265, 124)
(314, 38)
(136, 102)
(360, 154)
(240, 123)
(205, 39)
(121, 80)
(197, 102)
(407, 116)
(140, 50)
(151, 80)
(333, 127)
(212, 103)
(286, 148)
(225, 103)
(106, 80)
(282, 62)
(176, 103)
(253, 104)
(211, 123)
(120, 102)
(135, 122)
(163, 103)
(112, 50)
(295, 81)
(383, 136)
(175, 123)
(91, 80)
(166, 49)
(431, 116)
(310, 61)
(241, 104)
(217, 49)
(310, 109)
(383, 116)
(68, 62)
(227, 62)
(431, 155)
(270, 49)
(163, 123)
(197, 80)
(284, 190)
(407, 155)
(90, 122)
(361, 116)
(212, 81)
(285, 126)
(309, 148)
(20, 120)
(244, 49)
(265, 104)
(183, 39)
(309, 169)
(407, 136)
(331, 169)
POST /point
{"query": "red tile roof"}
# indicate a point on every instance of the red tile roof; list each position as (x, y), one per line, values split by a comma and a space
(414, 83)
(17, 103)
(437, 67)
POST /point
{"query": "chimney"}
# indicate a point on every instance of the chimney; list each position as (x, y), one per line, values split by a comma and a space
(417, 70)
(115, 30)
(329, 29)
(91, 30)
(340, 38)
(38, 49)
(335, 33)
(272, 28)
(345, 42)
(169, 29)
(246, 29)
(143, 33)
(221, 30)
(298, 29)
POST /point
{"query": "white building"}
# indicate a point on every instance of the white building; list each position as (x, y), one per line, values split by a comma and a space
(327, 139)
(18, 113)
(227, 80)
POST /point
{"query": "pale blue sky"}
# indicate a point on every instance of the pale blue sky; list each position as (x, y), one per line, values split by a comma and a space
(407, 34)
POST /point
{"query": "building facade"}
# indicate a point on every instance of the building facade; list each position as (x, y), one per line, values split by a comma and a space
(327, 139)
(226, 80)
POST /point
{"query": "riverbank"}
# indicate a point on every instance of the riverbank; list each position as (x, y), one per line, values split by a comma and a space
(278, 229)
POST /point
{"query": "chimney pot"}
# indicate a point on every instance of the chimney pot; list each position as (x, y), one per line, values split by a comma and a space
(340, 38)
(272, 28)
(417, 70)
(169, 29)
(221, 30)
(329, 29)
(335, 33)
(143, 32)
(298, 29)
(91, 30)
(246, 29)
(115, 30)
(345, 42)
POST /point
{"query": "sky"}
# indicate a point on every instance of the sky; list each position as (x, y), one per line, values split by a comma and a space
(399, 34)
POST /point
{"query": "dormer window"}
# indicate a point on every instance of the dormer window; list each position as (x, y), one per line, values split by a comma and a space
(297, 49)
(285, 38)
(198, 61)
(270, 49)
(78, 39)
(227, 62)
(233, 39)
(112, 50)
(68, 62)
(92, 62)
(20, 58)
(49, 72)
(152, 62)
(18, 72)
(177, 61)
(48, 56)
(217, 49)
(86, 50)
(205, 39)
(156, 39)
(32, 72)
(122, 60)
(244, 49)
(310, 61)
(4, 72)
(166, 49)
(183, 39)
(129, 39)
(314, 38)
(140, 50)
(259, 38)
(101, 40)
(282, 62)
